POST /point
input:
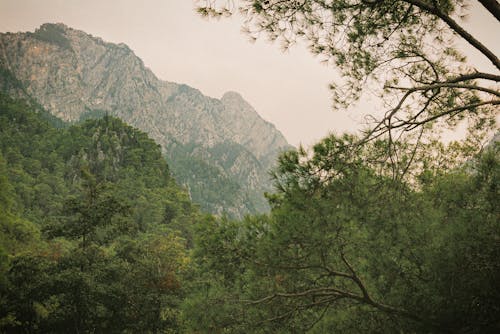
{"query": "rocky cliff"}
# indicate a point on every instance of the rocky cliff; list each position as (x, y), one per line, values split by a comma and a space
(220, 149)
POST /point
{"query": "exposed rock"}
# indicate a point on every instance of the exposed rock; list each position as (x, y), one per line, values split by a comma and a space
(75, 76)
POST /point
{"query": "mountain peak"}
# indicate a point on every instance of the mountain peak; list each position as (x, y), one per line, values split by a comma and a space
(232, 94)
(58, 25)
(75, 76)
(54, 33)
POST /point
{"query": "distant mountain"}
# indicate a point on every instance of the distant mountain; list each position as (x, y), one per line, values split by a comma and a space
(221, 150)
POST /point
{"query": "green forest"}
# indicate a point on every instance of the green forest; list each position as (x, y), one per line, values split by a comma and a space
(96, 237)
(95, 233)
(389, 230)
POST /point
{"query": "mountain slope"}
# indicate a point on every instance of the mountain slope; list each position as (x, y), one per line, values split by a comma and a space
(94, 231)
(76, 76)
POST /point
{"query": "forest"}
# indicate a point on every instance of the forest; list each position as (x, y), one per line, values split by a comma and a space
(386, 231)
(95, 233)
(97, 237)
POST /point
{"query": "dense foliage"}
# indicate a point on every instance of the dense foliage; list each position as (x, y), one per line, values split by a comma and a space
(52, 33)
(94, 231)
(387, 233)
(205, 175)
(347, 249)
(95, 236)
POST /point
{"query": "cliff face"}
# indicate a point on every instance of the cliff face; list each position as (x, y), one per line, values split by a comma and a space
(76, 76)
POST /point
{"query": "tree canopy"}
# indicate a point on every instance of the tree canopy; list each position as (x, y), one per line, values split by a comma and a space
(347, 249)
(94, 231)
(390, 236)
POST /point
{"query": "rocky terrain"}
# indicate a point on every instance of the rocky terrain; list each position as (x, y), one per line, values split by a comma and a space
(220, 149)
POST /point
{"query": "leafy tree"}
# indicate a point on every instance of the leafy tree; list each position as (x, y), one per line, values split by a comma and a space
(93, 229)
(90, 213)
(348, 249)
(403, 48)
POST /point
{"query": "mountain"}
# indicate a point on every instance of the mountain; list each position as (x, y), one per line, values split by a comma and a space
(46, 165)
(220, 149)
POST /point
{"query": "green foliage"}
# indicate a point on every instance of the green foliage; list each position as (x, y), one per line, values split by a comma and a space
(54, 34)
(92, 114)
(348, 249)
(208, 183)
(93, 229)
(96, 236)
(8, 81)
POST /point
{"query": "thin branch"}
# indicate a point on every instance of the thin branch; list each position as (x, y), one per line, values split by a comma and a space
(475, 75)
(413, 153)
(326, 291)
(446, 85)
(448, 112)
(356, 278)
(433, 10)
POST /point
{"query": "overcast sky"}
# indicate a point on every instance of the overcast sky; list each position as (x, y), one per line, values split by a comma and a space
(288, 89)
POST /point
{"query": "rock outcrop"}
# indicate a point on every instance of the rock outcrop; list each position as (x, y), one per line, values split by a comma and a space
(76, 76)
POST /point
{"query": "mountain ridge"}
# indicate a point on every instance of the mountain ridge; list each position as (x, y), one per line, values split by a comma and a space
(75, 76)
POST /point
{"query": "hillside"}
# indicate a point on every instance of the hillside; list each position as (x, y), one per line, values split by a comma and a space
(94, 232)
(75, 76)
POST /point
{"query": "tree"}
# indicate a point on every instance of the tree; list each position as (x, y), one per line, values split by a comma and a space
(402, 48)
(92, 228)
(347, 249)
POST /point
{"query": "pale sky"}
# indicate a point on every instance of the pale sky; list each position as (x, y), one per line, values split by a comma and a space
(288, 89)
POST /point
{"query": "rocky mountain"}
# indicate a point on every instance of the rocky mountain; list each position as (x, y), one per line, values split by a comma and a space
(220, 149)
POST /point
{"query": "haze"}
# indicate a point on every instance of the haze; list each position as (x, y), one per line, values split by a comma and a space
(288, 89)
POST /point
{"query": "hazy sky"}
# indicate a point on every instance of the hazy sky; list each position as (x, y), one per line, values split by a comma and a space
(288, 89)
